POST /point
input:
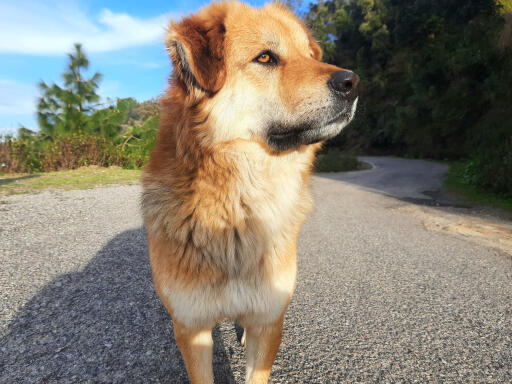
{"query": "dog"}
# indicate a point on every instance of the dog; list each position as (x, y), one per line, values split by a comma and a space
(225, 191)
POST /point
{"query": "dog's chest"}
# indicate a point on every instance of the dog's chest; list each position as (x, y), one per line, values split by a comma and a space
(268, 202)
(252, 252)
(241, 229)
(242, 232)
(263, 302)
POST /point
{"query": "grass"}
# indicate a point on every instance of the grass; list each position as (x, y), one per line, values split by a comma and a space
(455, 182)
(89, 177)
(82, 178)
(336, 161)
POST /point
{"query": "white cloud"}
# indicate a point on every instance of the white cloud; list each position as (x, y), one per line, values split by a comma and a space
(47, 28)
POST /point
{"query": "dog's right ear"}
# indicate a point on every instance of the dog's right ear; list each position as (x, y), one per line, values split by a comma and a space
(196, 47)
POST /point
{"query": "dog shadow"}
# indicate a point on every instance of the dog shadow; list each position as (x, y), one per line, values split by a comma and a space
(104, 323)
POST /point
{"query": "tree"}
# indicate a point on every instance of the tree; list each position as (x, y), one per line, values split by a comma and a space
(67, 109)
(434, 78)
(292, 5)
(108, 122)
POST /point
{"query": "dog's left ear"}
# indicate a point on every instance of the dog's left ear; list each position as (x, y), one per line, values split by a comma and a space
(196, 48)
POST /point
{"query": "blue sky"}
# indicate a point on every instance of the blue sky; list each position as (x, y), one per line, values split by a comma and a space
(123, 40)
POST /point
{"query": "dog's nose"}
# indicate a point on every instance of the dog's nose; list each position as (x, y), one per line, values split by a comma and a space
(344, 83)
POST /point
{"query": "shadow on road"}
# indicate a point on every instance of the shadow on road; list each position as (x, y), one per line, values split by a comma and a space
(102, 324)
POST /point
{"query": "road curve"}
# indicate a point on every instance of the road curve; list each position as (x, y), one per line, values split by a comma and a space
(379, 299)
(401, 178)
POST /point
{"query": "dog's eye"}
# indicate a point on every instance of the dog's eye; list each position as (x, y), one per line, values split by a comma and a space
(266, 58)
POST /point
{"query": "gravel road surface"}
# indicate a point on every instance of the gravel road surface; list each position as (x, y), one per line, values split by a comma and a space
(380, 298)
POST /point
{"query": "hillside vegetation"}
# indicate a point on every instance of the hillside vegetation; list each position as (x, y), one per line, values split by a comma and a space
(76, 130)
(435, 79)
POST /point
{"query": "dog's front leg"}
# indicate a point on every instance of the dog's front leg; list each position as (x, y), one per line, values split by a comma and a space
(196, 346)
(261, 347)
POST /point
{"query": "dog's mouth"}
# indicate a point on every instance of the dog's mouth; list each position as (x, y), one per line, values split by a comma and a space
(283, 137)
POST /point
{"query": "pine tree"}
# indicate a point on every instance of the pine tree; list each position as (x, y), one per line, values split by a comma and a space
(67, 109)
(49, 116)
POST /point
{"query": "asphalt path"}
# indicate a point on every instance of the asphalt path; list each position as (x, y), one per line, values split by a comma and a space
(411, 180)
(379, 299)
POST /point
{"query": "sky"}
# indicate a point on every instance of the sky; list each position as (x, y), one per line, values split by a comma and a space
(122, 39)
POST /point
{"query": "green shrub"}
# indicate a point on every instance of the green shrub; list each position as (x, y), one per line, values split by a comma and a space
(336, 161)
(471, 174)
(19, 155)
(70, 152)
(75, 151)
(494, 170)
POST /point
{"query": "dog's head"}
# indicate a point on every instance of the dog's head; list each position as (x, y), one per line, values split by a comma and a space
(258, 76)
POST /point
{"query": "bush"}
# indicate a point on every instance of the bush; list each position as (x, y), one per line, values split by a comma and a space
(18, 156)
(494, 169)
(336, 161)
(75, 151)
(71, 152)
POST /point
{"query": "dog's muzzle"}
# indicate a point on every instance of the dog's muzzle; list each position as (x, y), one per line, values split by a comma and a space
(343, 87)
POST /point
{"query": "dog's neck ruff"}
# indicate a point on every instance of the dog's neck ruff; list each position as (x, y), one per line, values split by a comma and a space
(226, 209)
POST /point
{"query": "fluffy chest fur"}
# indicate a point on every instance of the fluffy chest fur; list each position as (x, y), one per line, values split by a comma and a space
(239, 207)
(225, 238)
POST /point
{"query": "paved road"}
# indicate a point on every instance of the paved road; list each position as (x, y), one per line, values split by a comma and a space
(412, 180)
(380, 299)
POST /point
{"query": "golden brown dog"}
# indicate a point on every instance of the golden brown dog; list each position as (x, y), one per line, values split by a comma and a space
(225, 191)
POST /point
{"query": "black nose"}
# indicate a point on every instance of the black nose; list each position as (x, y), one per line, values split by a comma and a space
(344, 83)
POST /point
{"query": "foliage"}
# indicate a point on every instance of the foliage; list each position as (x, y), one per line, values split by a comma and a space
(333, 160)
(457, 181)
(492, 170)
(77, 131)
(110, 141)
(66, 109)
(34, 153)
(121, 134)
(434, 78)
(19, 155)
(292, 5)
(109, 122)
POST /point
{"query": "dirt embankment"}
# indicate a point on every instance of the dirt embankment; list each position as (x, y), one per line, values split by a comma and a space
(474, 225)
